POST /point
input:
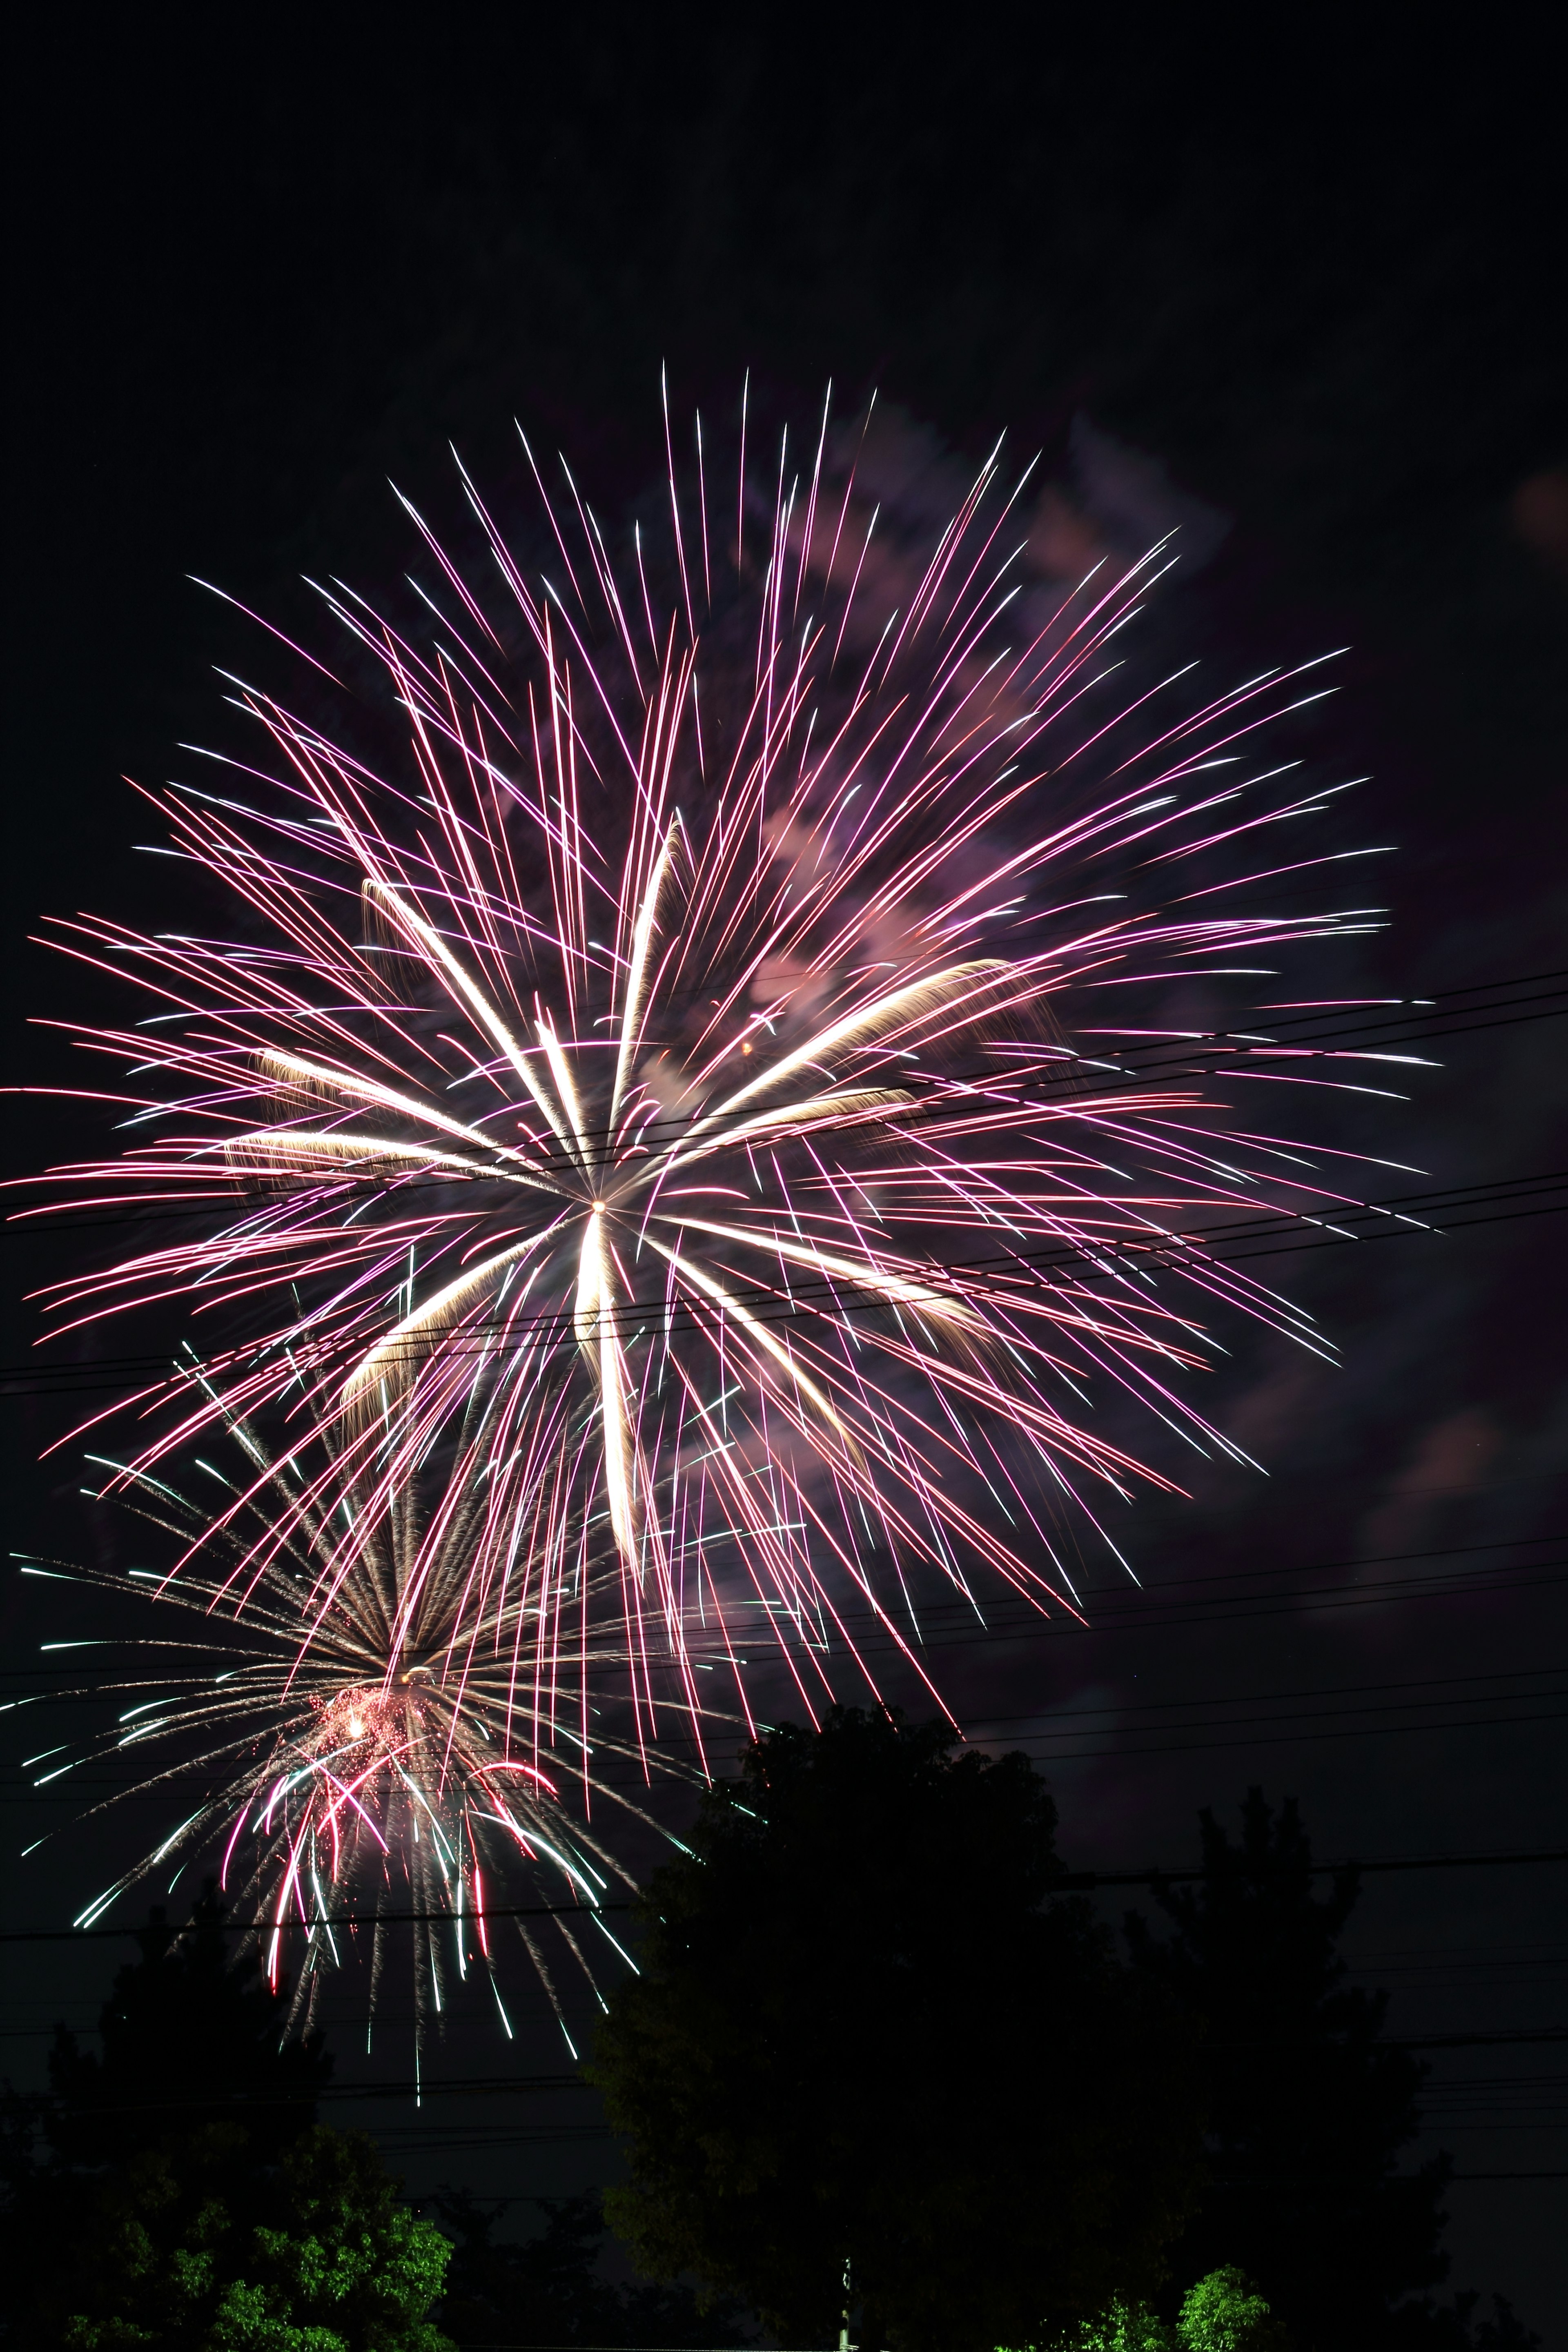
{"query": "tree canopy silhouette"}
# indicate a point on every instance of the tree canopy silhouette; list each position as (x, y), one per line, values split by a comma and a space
(865, 2028)
(1308, 2108)
(188, 2041)
(548, 2289)
(175, 2191)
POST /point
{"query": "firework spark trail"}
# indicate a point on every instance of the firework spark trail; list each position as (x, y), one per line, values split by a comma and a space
(659, 1064)
(403, 1754)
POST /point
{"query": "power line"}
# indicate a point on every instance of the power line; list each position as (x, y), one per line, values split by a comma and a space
(390, 2088)
(1073, 1715)
(1128, 1616)
(468, 2086)
(1417, 1207)
(1300, 1733)
(1092, 1878)
(1379, 1699)
(1070, 1882)
(1254, 1698)
(1396, 1215)
(428, 2197)
(1124, 1618)
(1531, 2036)
(324, 1919)
(1292, 1738)
(1403, 1020)
(1134, 1598)
(416, 2138)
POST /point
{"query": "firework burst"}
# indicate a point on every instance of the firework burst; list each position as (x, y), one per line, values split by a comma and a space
(362, 1739)
(673, 1060)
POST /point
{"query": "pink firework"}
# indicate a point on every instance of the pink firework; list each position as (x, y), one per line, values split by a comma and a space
(680, 1081)
(372, 1757)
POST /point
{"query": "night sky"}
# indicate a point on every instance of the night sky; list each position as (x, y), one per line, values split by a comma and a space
(1306, 302)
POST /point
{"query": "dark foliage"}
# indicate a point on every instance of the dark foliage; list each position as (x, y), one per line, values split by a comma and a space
(191, 2252)
(1427, 2326)
(187, 2042)
(863, 2029)
(176, 2192)
(550, 2289)
(1309, 2110)
(1222, 2313)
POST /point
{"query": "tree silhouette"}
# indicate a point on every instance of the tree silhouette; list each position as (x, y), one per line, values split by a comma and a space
(864, 2029)
(175, 2190)
(188, 2041)
(550, 2289)
(1307, 2108)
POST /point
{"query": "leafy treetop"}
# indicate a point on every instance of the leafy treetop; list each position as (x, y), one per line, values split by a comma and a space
(863, 2027)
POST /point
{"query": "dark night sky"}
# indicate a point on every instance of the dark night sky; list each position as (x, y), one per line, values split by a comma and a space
(252, 281)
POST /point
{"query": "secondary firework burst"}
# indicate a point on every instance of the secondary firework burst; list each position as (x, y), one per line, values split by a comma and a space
(681, 1030)
(365, 1745)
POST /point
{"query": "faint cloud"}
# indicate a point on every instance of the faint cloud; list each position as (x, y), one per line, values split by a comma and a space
(1451, 1459)
(1120, 503)
(1539, 513)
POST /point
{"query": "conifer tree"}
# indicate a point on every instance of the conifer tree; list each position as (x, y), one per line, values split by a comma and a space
(1308, 2108)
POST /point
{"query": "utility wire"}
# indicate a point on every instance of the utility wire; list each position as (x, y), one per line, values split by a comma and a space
(1175, 1054)
(1290, 1739)
(468, 2086)
(1299, 1734)
(1170, 1058)
(1406, 1210)
(1068, 1882)
(1074, 1715)
(1258, 1698)
(1109, 1259)
(1133, 1598)
(1133, 1614)
(1079, 1722)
